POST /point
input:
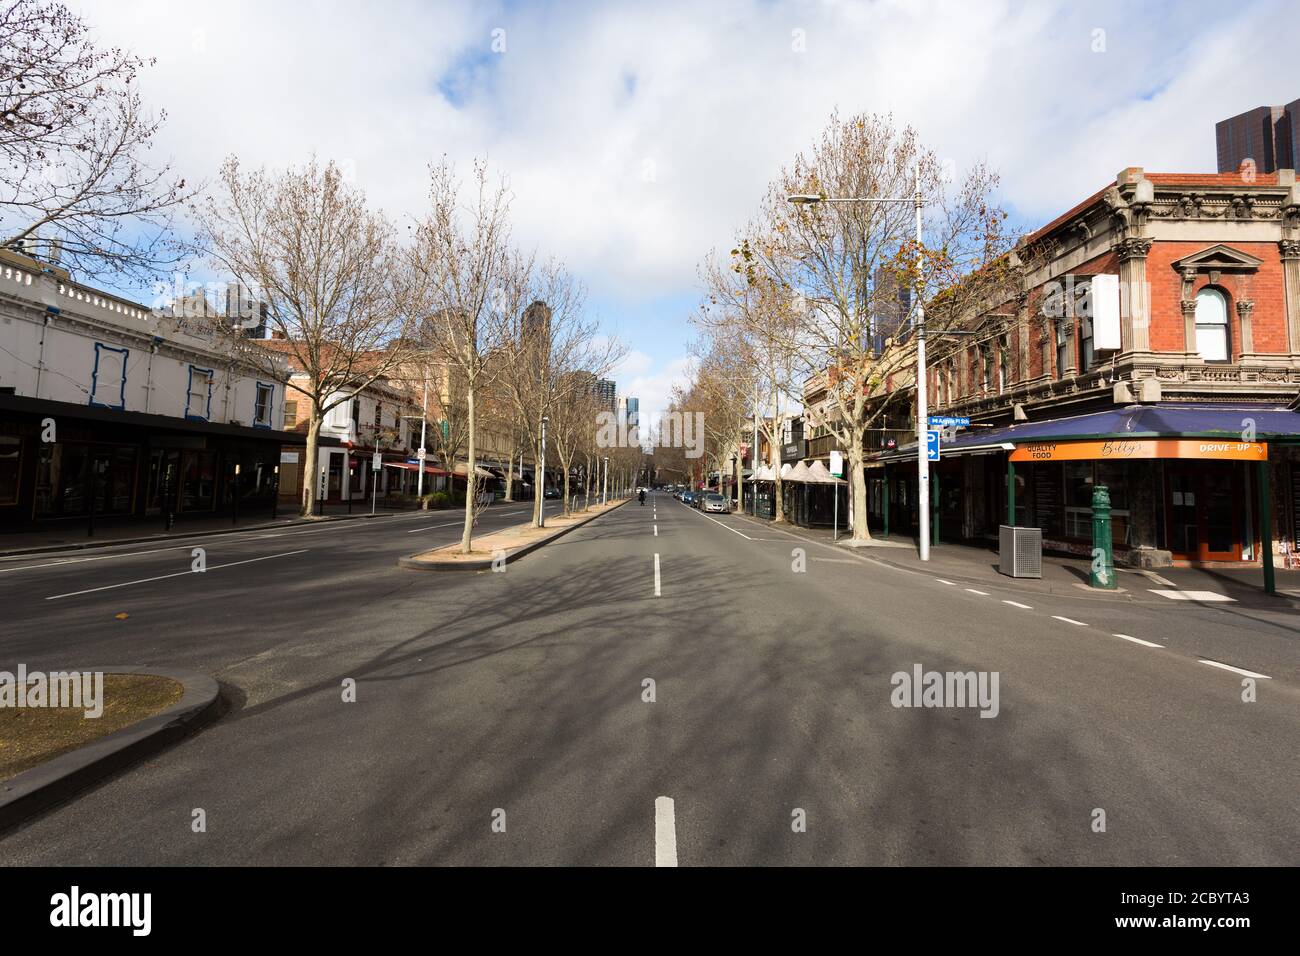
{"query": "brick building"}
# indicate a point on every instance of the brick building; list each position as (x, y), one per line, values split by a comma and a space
(1155, 349)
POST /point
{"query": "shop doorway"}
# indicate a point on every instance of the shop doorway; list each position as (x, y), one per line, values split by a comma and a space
(1204, 504)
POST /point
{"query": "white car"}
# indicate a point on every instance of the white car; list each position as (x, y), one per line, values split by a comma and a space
(713, 502)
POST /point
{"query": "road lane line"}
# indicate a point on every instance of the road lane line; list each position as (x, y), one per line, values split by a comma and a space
(656, 574)
(162, 577)
(665, 832)
(656, 531)
(1070, 620)
(1019, 605)
(450, 524)
(720, 524)
(949, 583)
(99, 557)
(1138, 640)
(980, 593)
(1236, 670)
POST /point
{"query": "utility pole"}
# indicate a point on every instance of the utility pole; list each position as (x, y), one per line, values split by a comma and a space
(541, 517)
(424, 405)
(922, 409)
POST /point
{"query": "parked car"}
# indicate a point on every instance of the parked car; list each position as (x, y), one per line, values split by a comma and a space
(551, 493)
(714, 502)
(687, 498)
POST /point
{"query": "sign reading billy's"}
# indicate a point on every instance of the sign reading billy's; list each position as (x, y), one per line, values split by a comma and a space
(1125, 449)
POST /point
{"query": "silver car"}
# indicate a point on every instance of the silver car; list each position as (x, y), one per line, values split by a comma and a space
(714, 502)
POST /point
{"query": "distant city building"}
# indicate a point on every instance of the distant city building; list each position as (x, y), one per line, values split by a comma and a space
(605, 392)
(629, 409)
(891, 303)
(1269, 136)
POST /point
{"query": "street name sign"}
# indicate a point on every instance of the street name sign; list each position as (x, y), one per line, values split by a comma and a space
(940, 421)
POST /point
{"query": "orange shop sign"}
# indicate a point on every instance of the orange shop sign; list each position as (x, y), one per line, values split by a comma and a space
(1124, 449)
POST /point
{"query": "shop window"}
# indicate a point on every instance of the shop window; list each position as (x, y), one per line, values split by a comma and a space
(10, 468)
(108, 377)
(290, 414)
(198, 403)
(262, 406)
(1062, 347)
(1212, 325)
(1085, 344)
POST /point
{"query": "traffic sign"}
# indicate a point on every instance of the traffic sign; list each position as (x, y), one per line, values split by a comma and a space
(421, 454)
(932, 444)
(938, 421)
(837, 464)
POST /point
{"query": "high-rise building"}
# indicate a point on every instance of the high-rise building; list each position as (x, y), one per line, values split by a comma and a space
(605, 391)
(1265, 135)
(629, 409)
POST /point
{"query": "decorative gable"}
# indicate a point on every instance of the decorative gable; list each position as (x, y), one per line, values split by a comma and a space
(1218, 258)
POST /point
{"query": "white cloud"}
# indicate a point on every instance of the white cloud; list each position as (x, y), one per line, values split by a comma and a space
(638, 136)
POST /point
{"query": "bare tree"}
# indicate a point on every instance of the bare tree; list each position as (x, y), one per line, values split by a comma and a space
(325, 265)
(824, 260)
(465, 279)
(573, 424)
(74, 184)
(552, 342)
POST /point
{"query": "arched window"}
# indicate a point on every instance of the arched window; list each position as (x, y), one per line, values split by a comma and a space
(1212, 325)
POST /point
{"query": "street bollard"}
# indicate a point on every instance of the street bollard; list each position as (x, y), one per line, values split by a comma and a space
(1103, 554)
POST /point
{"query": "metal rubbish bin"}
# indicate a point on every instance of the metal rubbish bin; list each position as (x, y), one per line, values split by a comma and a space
(1020, 551)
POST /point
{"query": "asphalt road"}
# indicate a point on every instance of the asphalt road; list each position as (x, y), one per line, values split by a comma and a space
(520, 696)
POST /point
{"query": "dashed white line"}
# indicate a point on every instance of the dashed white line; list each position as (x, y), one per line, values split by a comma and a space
(950, 583)
(980, 593)
(161, 577)
(1070, 620)
(656, 574)
(1236, 670)
(1137, 640)
(449, 524)
(1019, 605)
(665, 832)
(656, 531)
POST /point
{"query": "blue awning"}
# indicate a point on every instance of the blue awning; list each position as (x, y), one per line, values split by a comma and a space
(1137, 421)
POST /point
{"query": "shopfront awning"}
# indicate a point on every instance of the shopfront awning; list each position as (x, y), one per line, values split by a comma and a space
(1226, 423)
(407, 466)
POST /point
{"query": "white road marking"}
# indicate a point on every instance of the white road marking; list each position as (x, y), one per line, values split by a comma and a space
(161, 577)
(980, 593)
(665, 832)
(720, 524)
(1159, 580)
(1138, 640)
(656, 531)
(656, 574)
(1070, 620)
(1192, 595)
(1025, 607)
(450, 524)
(1236, 670)
(100, 557)
(942, 581)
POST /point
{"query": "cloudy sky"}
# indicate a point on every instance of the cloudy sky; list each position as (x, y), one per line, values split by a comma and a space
(637, 136)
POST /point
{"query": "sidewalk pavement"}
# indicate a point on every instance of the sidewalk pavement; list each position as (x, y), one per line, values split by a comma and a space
(71, 534)
(974, 562)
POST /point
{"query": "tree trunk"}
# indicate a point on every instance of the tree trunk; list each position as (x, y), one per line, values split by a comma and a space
(510, 475)
(859, 489)
(311, 455)
(466, 537)
(565, 466)
(539, 486)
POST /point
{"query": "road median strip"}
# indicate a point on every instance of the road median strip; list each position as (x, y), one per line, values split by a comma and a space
(499, 548)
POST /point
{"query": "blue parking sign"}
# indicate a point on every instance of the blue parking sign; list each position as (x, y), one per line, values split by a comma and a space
(932, 444)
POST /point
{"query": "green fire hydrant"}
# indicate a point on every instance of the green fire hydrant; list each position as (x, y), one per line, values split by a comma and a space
(1103, 553)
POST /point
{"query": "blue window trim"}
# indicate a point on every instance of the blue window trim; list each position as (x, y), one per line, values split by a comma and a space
(100, 348)
(270, 406)
(189, 390)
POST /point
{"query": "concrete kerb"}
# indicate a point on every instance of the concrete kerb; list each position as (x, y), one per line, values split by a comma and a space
(54, 781)
(485, 564)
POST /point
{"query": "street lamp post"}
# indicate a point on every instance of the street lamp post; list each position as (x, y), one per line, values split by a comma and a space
(922, 411)
(604, 495)
(424, 414)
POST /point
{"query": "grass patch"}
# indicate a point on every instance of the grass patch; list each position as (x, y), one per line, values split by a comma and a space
(32, 735)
